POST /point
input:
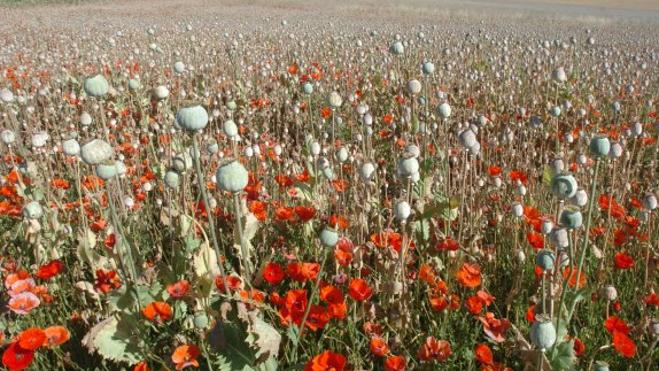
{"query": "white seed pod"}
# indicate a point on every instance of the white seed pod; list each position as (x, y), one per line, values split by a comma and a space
(342, 154)
(366, 171)
(232, 177)
(71, 147)
(179, 67)
(307, 88)
(212, 147)
(468, 138)
(248, 152)
(559, 75)
(580, 198)
(6, 95)
(160, 92)
(40, 139)
(277, 150)
(8, 136)
(521, 190)
(415, 177)
(335, 100)
(444, 110)
(367, 119)
(518, 210)
(616, 150)
(96, 151)
(498, 182)
(172, 179)
(547, 226)
(121, 168)
(650, 201)
(32, 210)
(402, 211)
(412, 150)
(555, 111)
(408, 166)
(609, 292)
(147, 187)
(133, 84)
(329, 237)
(560, 237)
(413, 87)
(315, 148)
(85, 119)
(428, 68)
(96, 86)
(230, 128)
(543, 333)
(192, 118)
(129, 202)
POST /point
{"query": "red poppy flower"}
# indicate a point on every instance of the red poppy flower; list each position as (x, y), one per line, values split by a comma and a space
(448, 244)
(17, 358)
(579, 347)
(179, 289)
(50, 270)
(326, 361)
(623, 260)
(31, 339)
(300, 271)
(494, 328)
(469, 275)
(305, 213)
(158, 311)
(614, 323)
(273, 273)
(535, 239)
(623, 344)
(186, 355)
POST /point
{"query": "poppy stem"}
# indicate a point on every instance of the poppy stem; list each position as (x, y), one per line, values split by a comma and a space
(308, 309)
(204, 195)
(243, 249)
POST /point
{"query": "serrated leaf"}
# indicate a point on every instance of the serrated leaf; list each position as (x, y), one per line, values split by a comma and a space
(251, 226)
(111, 338)
(265, 338)
(204, 261)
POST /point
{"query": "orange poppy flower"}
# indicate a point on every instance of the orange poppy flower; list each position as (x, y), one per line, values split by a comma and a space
(378, 346)
(158, 311)
(571, 273)
(494, 328)
(339, 222)
(623, 344)
(56, 335)
(469, 275)
(433, 349)
(50, 269)
(284, 213)
(31, 339)
(186, 355)
(273, 273)
(484, 354)
(359, 289)
(142, 366)
(394, 363)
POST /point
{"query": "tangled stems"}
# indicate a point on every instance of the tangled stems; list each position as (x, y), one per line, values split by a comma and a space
(204, 195)
(126, 250)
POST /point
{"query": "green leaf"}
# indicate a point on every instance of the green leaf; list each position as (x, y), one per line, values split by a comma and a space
(563, 357)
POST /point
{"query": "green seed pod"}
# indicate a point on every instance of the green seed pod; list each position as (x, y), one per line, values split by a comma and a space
(444, 110)
(543, 333)
(308, 88)
(232, 177)
(71, 147)
(231, 106)
(96, 151)
(564, 186)
(32, 210)
(329, 237)
(545, 259)
(96, 86)
(600, 146)
(192, 118)
(106, 170)
(230, 128)
(201, 320)
(571, 217)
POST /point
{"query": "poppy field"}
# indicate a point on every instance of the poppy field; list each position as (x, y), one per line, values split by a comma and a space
(291, 186)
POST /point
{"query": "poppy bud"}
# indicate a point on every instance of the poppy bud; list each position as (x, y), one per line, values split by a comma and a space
(96, 86)
(96, 151)
(543, 333)
(329, 237)
(232, 176)
(201, 320)
(192, 118)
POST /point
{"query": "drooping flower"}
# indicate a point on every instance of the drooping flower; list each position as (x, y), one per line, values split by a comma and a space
(186, 355)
